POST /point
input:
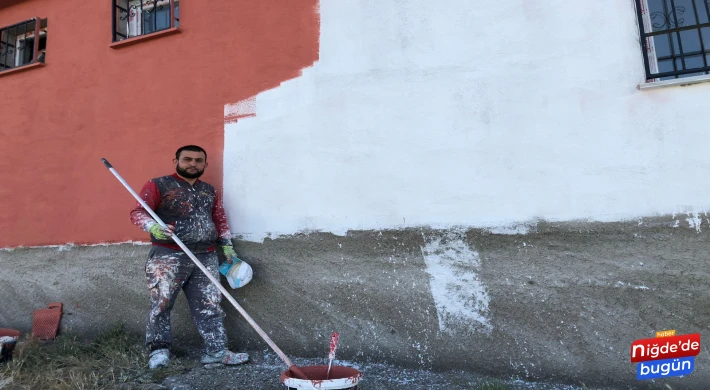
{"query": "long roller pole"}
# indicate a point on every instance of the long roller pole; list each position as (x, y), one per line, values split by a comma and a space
(224, 292)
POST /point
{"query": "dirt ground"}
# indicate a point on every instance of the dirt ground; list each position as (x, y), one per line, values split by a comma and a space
(264, 369)
(118, 360)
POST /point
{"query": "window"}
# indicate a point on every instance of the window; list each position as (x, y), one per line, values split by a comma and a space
(134, 18)
(675, 37)
(20, 45)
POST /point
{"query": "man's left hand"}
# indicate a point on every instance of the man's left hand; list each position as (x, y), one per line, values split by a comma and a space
(229, 253)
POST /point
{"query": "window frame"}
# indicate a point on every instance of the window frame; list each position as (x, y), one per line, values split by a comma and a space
(36, 51)
(648, 49)
(37, 33)
(117, 37)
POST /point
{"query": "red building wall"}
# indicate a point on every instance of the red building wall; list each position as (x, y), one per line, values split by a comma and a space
(133, 105)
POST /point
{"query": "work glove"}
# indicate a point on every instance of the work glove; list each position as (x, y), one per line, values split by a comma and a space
(160, 232)
(230, 254)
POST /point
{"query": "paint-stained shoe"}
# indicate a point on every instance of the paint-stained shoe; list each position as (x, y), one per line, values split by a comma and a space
(159, 358)
(225, 357)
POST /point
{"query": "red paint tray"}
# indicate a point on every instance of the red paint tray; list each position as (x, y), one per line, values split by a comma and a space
(45, 324)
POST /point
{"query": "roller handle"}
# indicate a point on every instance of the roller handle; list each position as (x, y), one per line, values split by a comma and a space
(294, 369)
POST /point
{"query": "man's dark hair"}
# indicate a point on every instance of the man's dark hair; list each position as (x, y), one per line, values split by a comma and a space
(191, 148)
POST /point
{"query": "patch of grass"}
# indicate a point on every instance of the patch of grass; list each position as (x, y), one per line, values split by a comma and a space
(113, 358)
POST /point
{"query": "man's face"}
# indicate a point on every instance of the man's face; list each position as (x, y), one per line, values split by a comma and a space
(191, 165)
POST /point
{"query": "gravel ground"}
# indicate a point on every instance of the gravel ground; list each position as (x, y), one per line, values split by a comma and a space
(264, 369)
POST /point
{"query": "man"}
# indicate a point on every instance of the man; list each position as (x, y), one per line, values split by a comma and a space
(193, 211)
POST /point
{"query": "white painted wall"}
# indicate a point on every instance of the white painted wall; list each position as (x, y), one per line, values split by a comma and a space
(483, 114)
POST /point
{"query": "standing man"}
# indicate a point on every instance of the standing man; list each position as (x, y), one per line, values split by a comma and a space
(193, 211)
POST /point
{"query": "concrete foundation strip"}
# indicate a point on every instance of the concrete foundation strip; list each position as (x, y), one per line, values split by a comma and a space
(294, 369)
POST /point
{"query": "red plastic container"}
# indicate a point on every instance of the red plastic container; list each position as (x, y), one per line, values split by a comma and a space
(45, 324)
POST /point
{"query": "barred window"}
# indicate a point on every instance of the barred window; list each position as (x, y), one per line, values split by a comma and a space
(23, 43)
(675, 37)
(133, 18)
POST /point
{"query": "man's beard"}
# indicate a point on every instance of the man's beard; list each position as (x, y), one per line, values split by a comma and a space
(187, 174)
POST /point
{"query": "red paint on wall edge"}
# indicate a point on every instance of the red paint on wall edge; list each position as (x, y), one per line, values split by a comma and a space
(134, 106)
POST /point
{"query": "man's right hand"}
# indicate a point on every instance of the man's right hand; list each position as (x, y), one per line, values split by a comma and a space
(160, 232)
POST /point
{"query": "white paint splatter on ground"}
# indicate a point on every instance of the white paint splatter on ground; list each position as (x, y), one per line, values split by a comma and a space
(459, 295)
(695, 222)
(636, 287)
(265, 368)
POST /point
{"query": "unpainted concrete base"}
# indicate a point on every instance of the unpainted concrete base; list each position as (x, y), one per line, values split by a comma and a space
(562, 302)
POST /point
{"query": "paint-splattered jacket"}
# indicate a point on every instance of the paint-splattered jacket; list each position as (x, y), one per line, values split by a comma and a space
(195, 210)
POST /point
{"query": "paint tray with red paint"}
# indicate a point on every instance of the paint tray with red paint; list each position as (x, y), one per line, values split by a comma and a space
(340, 378)
(45, 323)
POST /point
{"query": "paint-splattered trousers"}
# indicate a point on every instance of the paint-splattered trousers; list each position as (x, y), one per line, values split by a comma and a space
(169, 271)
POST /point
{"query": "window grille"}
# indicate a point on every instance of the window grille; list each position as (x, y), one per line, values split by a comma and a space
(133, 18)
(675, 37)
(23, 43)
